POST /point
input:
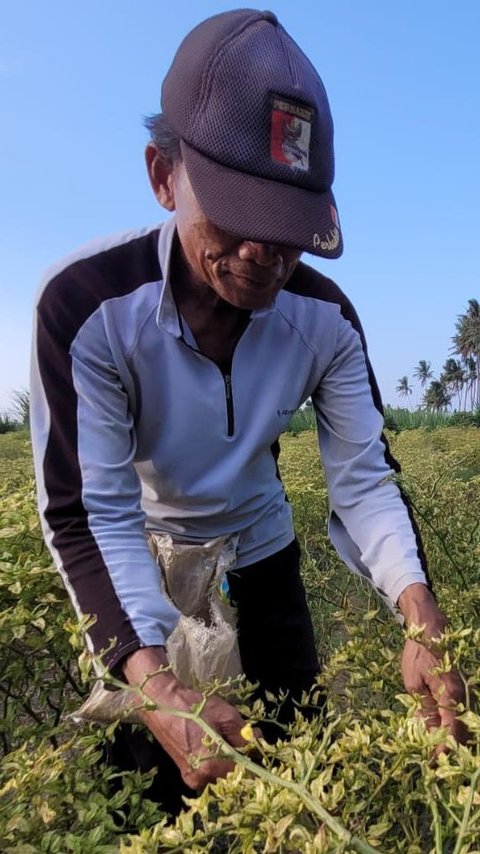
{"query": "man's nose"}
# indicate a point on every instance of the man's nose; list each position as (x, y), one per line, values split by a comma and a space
(263, 254)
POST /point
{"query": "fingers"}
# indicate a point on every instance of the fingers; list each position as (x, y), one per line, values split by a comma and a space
(436, 714)
(203, 767)
(206, 771)
(448, 691)
(440, 693)
(429, 711)
(207, 768)
(200, 765)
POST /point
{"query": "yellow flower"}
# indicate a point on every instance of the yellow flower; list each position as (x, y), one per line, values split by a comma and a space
(247, 733)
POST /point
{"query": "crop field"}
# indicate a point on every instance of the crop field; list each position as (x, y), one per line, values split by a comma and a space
(364, 777)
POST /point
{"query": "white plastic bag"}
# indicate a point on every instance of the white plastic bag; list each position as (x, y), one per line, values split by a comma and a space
(203, 646)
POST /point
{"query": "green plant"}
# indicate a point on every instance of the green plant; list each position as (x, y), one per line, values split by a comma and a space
(397, 419)
(7, 423)
(303, 419)
(21, 407)
(362, 778)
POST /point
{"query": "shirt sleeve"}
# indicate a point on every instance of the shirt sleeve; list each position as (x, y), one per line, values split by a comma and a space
(371, 524)
(89, 494)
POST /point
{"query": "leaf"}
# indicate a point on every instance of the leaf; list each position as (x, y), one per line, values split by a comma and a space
(46, 814)
(16, 588)
(282, 826)
(376, 831)
(10, 532)
(18, 632)
(464, 793)
(9, 786)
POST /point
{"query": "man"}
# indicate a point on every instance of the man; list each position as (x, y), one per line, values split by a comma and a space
(166, 364)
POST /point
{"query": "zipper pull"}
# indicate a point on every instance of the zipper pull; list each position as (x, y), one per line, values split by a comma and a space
(229, 401)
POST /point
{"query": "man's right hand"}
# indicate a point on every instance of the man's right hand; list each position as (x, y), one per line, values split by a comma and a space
(181, 738)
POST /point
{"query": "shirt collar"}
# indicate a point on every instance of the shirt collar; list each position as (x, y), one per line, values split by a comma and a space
(167, 314)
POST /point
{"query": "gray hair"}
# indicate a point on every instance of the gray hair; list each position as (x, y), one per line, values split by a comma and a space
(164, 137)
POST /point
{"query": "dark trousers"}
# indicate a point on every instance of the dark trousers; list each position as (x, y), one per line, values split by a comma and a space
(277, 650)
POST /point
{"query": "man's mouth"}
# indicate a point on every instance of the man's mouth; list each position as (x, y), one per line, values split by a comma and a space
(251, 276)
(258, 278)
(257, 281)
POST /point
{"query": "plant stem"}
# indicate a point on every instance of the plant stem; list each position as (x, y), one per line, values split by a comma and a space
(445, 805)
(437, 824)
(307, 799)
(325, 737)
(466, 813)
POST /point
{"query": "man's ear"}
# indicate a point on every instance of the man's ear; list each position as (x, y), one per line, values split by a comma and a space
(160, 172)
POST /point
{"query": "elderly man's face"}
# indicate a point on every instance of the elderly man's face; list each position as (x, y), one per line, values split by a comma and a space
(246, 274)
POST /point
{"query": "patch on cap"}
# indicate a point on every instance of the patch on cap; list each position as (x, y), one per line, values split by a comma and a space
(291, 125)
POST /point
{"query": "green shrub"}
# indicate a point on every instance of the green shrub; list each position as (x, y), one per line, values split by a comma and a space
(8, 424)
(397, 419)
(361, 780)
(465, 419)
(303, 419)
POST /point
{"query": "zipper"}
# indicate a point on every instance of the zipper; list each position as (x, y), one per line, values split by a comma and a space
(227, 379)
(229, 399)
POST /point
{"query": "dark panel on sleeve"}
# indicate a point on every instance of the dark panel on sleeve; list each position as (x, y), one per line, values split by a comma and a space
(308, 282)
(66, 304)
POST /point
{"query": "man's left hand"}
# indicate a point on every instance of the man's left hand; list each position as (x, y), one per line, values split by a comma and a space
(439, 692)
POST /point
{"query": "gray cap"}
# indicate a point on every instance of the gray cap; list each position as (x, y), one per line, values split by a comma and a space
(256, 132)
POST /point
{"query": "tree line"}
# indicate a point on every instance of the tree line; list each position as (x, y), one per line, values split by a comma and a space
(459, 381)
(18, 417)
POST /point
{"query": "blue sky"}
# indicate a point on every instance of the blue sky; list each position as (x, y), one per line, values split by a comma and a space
(403, 78)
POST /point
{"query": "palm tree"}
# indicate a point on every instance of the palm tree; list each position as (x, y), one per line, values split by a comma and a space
(453, 378)
(471, 377)
(423, 372)
(403, 387)
(466, 342)
(436, 397)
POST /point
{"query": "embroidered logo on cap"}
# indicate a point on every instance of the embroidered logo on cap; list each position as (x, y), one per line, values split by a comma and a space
(330, 241)
(290, 133)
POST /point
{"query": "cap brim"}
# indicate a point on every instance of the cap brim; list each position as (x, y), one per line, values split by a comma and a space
(263, 210)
